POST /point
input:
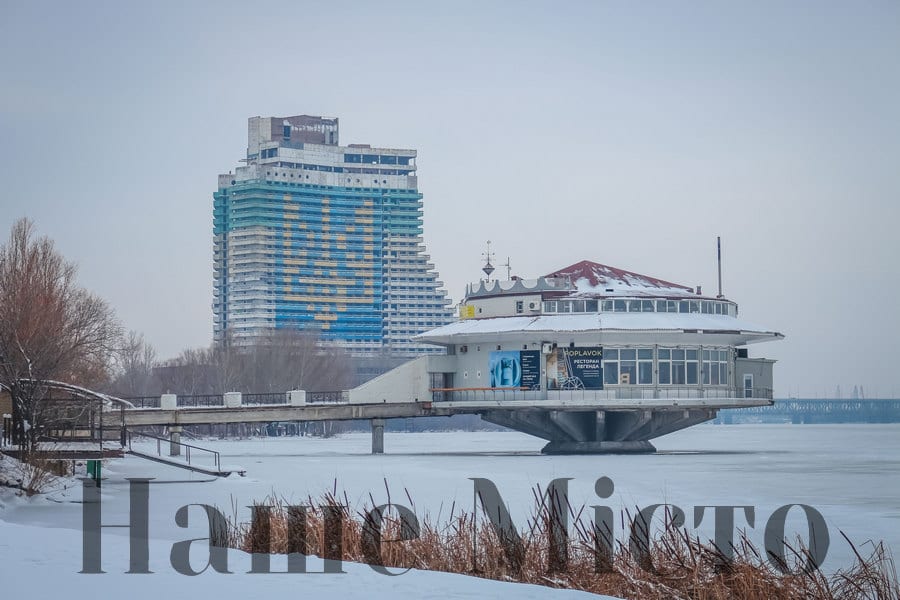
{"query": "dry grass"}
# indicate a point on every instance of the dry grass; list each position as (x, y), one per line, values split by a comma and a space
(34, 473)
(673, 565)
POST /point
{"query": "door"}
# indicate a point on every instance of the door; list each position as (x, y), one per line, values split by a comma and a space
(748, 385)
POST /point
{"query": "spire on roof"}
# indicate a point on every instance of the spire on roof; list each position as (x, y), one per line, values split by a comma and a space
(488, 268)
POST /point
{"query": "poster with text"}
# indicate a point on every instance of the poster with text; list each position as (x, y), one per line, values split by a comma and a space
(575, 368)
(531, 369)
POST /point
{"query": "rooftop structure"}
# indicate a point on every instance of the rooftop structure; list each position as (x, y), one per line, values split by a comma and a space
(596, 359)
(327, 238)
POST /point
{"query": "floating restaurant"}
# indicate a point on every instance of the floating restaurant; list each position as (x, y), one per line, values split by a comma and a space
(590, 357)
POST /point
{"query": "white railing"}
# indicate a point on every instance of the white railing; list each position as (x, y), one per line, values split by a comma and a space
(630, 392)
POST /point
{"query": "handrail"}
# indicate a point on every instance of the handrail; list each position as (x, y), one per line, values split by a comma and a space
(478, 389)
(187, 447)
(247, 399)
(264, 398)
(144, 401)
(327, 397)
(201, 400)
(618, 392)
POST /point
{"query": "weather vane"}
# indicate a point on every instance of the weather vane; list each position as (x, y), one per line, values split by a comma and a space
(488, 268)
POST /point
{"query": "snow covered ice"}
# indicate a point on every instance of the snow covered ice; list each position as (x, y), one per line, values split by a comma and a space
(847, 472)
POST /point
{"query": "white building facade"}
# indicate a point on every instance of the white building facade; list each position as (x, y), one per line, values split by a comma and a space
(591, 358)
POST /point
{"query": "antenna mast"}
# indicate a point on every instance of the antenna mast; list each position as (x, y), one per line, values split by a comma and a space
(719, 253)
(508, 269)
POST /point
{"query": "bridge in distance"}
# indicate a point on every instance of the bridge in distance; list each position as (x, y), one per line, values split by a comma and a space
(814, 410)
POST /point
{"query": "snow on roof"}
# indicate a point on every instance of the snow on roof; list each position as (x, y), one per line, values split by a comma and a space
(75, 389)
(571, 323)
(593, 278)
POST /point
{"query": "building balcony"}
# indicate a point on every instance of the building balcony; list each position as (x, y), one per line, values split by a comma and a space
(632, 396)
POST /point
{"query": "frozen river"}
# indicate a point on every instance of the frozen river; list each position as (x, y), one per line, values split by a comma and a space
(849, 473)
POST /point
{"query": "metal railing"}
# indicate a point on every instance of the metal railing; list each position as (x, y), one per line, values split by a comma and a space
(263, 399)
(201, 400)
(334, 397)
(187, 447)
(144, 401)
(186, 401)
(257, 399)
(621, 392)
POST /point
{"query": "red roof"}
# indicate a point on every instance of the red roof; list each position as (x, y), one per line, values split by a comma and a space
(598, 275)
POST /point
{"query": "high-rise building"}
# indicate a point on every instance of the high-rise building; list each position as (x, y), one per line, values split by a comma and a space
(326, 238)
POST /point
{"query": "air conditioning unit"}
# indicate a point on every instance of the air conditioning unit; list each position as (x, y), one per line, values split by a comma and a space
(547, 348)
(533, 306)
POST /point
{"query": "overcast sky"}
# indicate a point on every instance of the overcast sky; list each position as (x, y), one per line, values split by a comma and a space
(631, 134)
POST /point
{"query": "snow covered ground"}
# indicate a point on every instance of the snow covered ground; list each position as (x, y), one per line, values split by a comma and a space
(847, 472)
(40, 562)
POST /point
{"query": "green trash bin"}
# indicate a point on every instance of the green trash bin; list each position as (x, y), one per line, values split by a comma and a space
(93, 470)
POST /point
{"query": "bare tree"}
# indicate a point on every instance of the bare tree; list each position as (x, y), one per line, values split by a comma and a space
(135, 362)
(288, 359)
(50, 328)
(282, 360)
(226, 364)
(191, 372)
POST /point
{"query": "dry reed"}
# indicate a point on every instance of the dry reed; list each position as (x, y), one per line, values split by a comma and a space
(672, 564)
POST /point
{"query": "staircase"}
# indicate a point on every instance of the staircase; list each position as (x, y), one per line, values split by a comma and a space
(176, 450)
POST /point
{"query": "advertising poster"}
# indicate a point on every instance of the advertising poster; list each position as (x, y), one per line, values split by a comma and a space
(506, 369)
(575, 369)
(519, 369)
(531, 369)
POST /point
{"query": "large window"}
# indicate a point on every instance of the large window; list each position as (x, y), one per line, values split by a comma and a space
(665, 366)
(628, 366)
(645, 366)
(570, 306)
(715, 367)
(674, 306)
(610, 366)
(678, 366)
(692, 366)
(675, 366)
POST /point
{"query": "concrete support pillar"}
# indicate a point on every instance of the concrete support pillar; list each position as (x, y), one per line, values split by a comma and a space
(174, 439)
(600, 426)
(377, 436)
